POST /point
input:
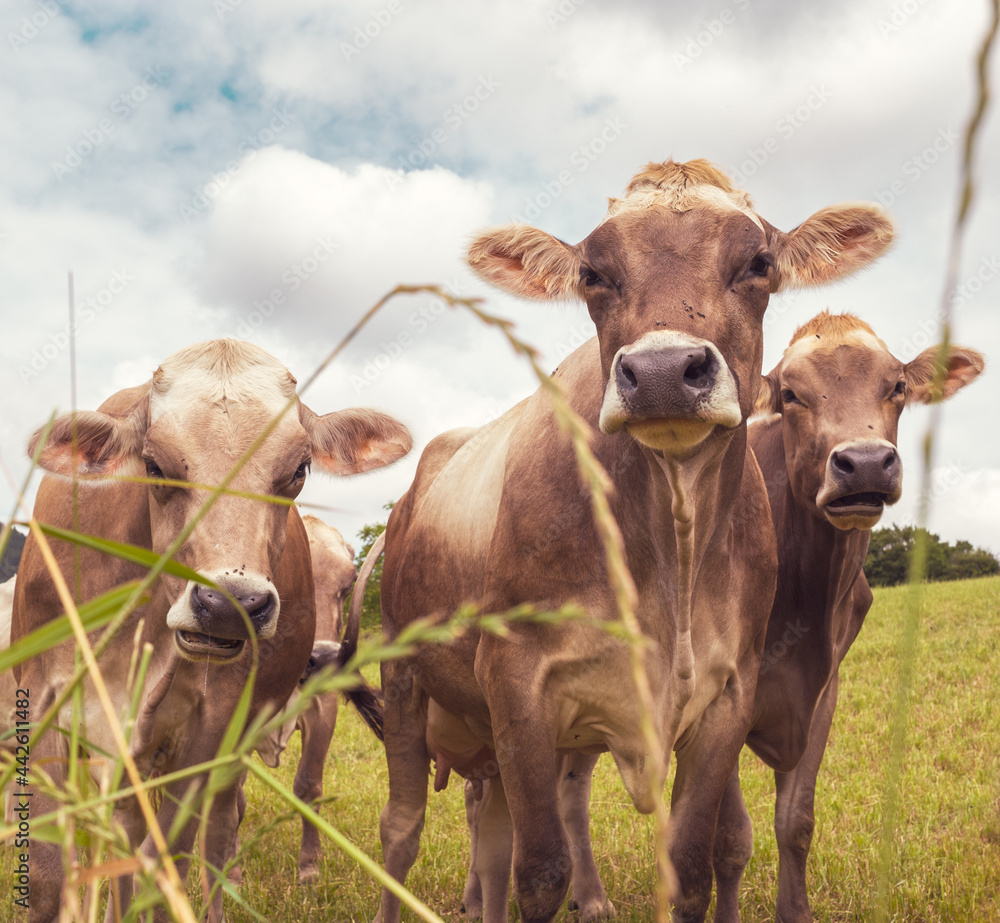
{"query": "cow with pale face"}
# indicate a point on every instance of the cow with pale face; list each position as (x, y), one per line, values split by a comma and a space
(204, 408)
(827, 448)
(677, 279)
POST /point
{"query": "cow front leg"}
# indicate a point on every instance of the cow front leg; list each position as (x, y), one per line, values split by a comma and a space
(408, 762)
(705, 764)
(316, 725)
(576, 772)
(794, 819)
(219, 837)
(541, 856)
(733, 848)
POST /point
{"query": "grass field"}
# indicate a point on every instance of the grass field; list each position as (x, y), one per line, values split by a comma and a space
(947, 864)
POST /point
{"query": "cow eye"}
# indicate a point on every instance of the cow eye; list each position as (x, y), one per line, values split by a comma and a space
(788, 396)
(900, 389)
(590, 277)
(153, 469)
(761, 264)
(302, 470)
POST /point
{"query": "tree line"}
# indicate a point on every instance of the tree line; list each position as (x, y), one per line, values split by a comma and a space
(890, 552)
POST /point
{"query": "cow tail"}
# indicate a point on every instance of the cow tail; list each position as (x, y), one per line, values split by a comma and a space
(363, 697)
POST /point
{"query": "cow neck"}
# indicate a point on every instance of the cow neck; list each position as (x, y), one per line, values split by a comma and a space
(703, 490)
(810, 548)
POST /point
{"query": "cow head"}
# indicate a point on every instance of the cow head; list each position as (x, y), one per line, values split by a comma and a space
(677, 278)
(205, 406)
(840, 393)
(334, 572)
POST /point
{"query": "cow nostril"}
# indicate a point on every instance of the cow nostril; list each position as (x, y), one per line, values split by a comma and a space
(842, 464)
(627, 379)
(696, 373)
(890, 460)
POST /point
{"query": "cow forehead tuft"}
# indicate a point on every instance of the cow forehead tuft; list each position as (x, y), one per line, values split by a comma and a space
(828, 331)
(218, 369)
(681, 187)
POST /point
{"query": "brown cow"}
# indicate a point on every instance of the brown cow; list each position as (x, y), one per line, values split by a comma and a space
(828, 453)
(333, 573)
(677, 279)
(203, 408)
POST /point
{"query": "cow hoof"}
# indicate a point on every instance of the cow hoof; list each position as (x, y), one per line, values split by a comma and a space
(593, 910)
(308, 875)
(470, 911)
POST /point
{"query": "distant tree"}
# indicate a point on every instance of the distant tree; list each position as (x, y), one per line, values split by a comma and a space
(890, 550)
(371, 613)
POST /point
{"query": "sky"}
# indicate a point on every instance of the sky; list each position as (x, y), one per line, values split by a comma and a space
(267, 170)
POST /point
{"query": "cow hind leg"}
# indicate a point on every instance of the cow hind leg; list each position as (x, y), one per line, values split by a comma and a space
(494, 850)
(472, 896)
(317, 725)
(408, 762)
(794, 818)
(575, 775)
(733, 848)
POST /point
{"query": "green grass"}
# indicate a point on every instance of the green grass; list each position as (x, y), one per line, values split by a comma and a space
(947, 865)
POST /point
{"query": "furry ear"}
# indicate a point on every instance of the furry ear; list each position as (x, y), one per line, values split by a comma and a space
(92, 443)
(963, 367)
(769, 396)
(351, 441)
(526, 262)
(832, 244)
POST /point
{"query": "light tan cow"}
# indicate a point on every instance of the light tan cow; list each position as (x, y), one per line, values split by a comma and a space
(205, 406)
(333, 573)
(677, 279)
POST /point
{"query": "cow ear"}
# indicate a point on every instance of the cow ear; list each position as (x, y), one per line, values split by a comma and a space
(355, 440)
(963, 368)
(769, 397)
(92, 443)
(832, 244)
(526, 262)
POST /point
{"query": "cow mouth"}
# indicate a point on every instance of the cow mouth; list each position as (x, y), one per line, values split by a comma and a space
(869, 503)
(670, 434)
(198, 645)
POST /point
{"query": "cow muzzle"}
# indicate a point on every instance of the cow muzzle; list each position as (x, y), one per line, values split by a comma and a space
(213, 623)
(670, 390)
(861, 478)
